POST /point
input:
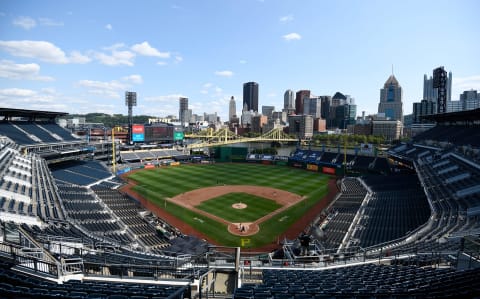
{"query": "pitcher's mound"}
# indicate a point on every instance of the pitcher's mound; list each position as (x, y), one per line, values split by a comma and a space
(239, 205)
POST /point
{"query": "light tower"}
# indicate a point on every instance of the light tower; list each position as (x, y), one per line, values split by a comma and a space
(130, 101)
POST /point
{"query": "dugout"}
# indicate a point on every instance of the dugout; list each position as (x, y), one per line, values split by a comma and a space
(230, 154)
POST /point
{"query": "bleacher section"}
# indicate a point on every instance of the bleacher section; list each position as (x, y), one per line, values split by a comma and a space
(456, 134)
(20, 285)
(341, 214)
(28, 133)
(26, 188)
(354, 163)
(149, 155)
(91, 214)
(363, 281)
(55, 129)
(450, 181)
(130, 213)
(396, 206)
(81, 173)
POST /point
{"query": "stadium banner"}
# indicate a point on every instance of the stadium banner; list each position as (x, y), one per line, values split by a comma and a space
(328, 170)
(312, 167)
(366, 148)
(149, 166)
(174, 163)
(138, 133)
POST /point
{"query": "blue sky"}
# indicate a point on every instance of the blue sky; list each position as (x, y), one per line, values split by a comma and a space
(81, 56)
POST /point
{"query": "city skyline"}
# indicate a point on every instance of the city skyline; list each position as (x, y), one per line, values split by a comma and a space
(82, 57)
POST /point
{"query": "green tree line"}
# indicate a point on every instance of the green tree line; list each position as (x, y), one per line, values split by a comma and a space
(111, 120)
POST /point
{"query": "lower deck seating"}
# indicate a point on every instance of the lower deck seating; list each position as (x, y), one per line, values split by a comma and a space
(364, 281)
(17, 285)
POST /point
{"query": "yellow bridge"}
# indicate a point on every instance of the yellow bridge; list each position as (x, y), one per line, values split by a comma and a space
(225, 137)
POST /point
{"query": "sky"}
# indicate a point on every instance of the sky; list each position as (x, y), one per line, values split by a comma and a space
(82, 56)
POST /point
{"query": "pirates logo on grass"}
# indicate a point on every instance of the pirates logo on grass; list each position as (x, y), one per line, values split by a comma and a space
(244, 242)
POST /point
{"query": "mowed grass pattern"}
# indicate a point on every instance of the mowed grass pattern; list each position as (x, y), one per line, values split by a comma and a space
(160, 183)
(222, 206)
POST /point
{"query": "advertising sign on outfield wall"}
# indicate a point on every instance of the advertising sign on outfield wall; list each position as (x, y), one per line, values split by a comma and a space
(328, 170)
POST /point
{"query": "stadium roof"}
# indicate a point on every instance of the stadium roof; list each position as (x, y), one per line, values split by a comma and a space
(8, 113)
(468, 115)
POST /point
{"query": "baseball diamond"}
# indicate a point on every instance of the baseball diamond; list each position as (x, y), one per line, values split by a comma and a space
(201, 198)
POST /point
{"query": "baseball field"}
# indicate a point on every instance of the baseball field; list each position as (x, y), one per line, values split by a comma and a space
(233, 204)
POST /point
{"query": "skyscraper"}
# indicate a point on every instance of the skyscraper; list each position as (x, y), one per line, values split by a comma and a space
(470, 99)
(288, 102)
(326, 100)
(250, 96)
(391, 99)
(268, 110)
(312, 106)
(430, 93)
(183, 111)
(300, 95)
(232, 109)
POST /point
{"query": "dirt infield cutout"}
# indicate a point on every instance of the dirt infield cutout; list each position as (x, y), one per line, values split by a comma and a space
(193, 198)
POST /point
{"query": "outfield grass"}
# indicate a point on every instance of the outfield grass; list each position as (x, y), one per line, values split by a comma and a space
(257, 207)
(160, 183)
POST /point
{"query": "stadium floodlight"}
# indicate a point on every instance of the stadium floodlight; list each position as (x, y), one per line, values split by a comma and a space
(130, 101)
(130, 98)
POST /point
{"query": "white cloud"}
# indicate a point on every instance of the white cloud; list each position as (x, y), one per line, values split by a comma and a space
(224, 73)
(243, 61)
(146, 50)
(292, 36)
(108, 27)
(461, 84)
(77, 57)
(178, 58)
(209, 88)
(26, 23)
(286, 19)
(41, 50)
(30, 71)
(116, 58)
(114, 47)
(112, 89)
(45, 99)
(161, 63)
(49, 22)
(17, 92)
(136, 79)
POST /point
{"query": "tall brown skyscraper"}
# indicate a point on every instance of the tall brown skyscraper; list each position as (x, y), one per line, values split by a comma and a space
(300, 95)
